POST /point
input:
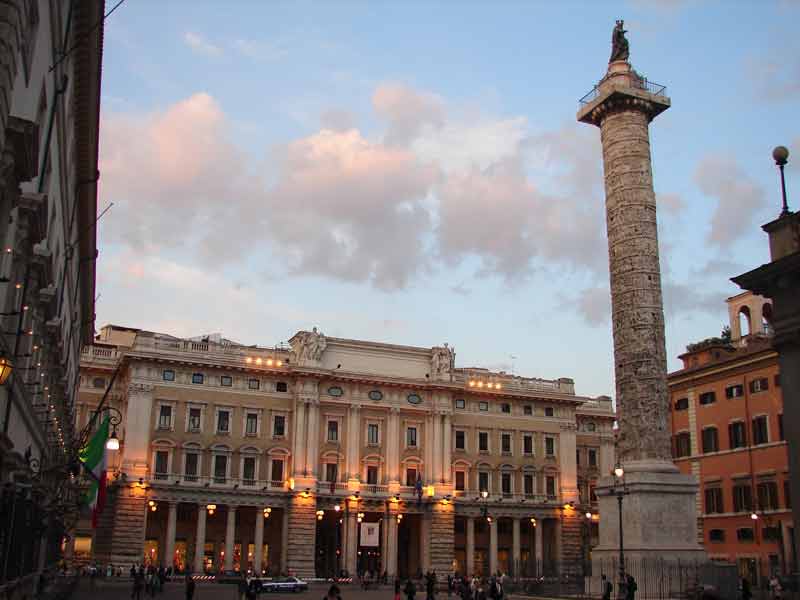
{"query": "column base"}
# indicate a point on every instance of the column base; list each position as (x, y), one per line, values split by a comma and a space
(119, 537)
(301, 540)
(441, 543)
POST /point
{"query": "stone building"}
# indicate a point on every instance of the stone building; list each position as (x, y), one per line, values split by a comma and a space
(727, 428)
(336, 454)
(51, 54)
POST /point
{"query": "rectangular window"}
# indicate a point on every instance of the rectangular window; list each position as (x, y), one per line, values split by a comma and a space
(527, 444)
(226, 381)
(253, 384)
(506, 443)
(279, 426)
(745, 534)
(162, 457)
(767, 495)
(759, 385)
(505, 480)
(411, 477)
(592, 494)
(460, 403)
(372, 475)
(787, 496)
(549, 446)
(168, 375)
(460, 481)
(716, 535)
(333, 431)
(760, 435)
(714, 500)
(682, 404)
(780, 427)
(411, 437)
(483, 481)
(220, 468)
(460, 441)
(592, 457)
(249, 470)
(194, 419)
(330, 472)
(165, 417)
(372, 434)
(578, 457)
(251, 424)
(190, 472)
(277, 470)
(528, 483)
(710, 440)
(506, 408)
(742, 498)
(197, 378)
(527, 410)
(281, 386)
(737, 435)
(708, 398)
(550, 482)
(548, 411)
(483, 406)
(734, 391)
(778, 380)
(682, 445)
(483, 441)
(223, 421)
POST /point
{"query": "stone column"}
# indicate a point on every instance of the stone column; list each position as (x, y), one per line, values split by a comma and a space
(393, 446)
(539, 546)
(169, 547)
(568, 485)
(425, 542)
(312, 443)
(438, 455)
(391, 559)
(493, 547)
(200, 539)
(285, 541)
(470, 552)
(428, 450)
(351, 550)
(258, 543)
(448, 450)
(300, 440)
(515, 548)
(230, 534)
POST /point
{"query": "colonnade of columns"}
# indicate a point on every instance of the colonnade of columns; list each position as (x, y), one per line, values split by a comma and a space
(516, 545)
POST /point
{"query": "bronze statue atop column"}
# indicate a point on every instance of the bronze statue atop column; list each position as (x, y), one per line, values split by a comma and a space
(619, 43)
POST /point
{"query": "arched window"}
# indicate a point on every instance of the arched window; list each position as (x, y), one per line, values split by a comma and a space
(744, 321)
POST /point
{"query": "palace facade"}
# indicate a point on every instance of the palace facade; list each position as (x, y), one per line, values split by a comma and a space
(333, 455)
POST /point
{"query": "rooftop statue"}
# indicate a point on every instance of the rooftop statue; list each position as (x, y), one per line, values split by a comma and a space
(619, 43)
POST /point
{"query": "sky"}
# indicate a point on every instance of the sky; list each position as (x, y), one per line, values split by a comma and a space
(413, 173)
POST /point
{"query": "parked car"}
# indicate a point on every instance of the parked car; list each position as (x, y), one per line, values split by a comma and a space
(229, 577)
(284, 584)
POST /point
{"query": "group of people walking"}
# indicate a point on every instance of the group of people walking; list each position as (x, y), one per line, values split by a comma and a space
(148, 579)
(477, 588)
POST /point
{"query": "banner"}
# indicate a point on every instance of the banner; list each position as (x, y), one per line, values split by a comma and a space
(370, 534)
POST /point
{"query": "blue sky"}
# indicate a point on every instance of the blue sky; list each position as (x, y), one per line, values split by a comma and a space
(413, 173)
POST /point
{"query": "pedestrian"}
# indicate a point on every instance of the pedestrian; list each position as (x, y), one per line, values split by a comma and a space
(775, 587)
(410, 590)
(606, 587)
(396, 588)
(242, 585)
(430, 585)
(630, 588)
(189, 587)
(333, 593)
(449, 585)
(138, 583)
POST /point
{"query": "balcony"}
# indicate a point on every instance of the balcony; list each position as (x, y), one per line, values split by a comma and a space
(638, 83)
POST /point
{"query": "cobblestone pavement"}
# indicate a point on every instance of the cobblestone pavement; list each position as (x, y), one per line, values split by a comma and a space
(121, 589)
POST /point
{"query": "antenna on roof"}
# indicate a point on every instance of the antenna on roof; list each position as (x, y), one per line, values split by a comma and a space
(513, 358)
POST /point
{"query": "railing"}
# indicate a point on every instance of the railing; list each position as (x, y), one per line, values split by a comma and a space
(217, 481)
(90, 352)
(331, 487)
(640, 83)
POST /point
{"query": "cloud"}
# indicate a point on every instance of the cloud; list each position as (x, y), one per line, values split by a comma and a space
(461, 289)
(672, 204)
(200, 45)
(739, 198)
(774, 80)
(407, 111)
(594, 305)
(337, 119)
(261, 50)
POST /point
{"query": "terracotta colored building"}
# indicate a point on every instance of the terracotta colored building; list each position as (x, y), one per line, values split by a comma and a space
(727, 427)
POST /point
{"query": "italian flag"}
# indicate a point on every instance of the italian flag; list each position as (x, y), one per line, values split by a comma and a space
(93, 457)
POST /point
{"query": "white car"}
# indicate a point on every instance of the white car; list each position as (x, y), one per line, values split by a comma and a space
(284, 584)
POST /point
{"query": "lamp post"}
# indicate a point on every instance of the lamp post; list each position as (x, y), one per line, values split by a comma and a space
(620, 490)
(781, 156)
